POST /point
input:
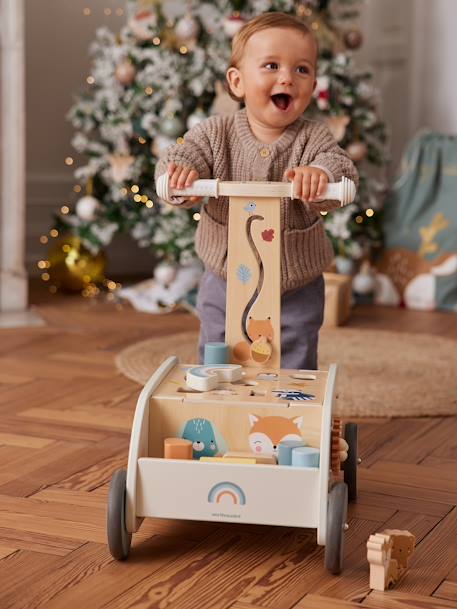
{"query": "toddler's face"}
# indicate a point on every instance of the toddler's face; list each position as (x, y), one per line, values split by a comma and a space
(276, 76)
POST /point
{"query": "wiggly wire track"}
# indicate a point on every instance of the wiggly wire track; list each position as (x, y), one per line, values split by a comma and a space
(253, 298)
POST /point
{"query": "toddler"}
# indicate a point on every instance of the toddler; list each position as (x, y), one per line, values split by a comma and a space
(273, 72)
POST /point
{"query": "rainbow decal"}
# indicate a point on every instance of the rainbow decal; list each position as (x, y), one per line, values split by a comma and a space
(221, 490)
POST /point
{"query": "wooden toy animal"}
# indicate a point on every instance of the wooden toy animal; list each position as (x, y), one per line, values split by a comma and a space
(388, 553)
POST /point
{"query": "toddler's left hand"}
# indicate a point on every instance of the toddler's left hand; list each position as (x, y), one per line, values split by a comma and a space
(309, 182)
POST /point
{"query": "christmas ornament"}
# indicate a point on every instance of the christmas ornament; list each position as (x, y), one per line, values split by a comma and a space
(172, 126)
(233, 24)
(344, 266)
(337, 125)
(120, 166)
(187, 29)
(322, 92)
(160, 144)
(364, 281)
(165, 273)
(357, 150)
(73, 267)
(353, 39)
(223, 104)
(143, 25)
(196, 117)
(125, 72)
(86, 208)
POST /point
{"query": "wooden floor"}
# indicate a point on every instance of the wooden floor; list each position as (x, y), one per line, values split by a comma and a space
(65, 418)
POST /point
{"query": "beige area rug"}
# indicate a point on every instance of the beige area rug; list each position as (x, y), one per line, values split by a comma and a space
(380, 374)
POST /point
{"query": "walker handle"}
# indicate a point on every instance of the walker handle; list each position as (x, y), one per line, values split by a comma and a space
(343, 191)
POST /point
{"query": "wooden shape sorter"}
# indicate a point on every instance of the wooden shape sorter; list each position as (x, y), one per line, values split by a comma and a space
(253, 317)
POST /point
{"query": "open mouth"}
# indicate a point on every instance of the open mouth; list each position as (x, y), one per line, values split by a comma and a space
(281, 100)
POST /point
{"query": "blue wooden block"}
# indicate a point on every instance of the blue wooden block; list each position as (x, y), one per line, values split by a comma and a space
(216, 353)
(285, 450)
(305, 456)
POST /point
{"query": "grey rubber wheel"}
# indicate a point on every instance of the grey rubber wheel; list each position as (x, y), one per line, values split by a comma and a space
(351, 463)
(119, 539)
(336, 524)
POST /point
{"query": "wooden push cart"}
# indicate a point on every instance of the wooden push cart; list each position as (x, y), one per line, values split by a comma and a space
(260, 408)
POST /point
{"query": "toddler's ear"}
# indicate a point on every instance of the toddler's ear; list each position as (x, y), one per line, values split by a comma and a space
(235, 82)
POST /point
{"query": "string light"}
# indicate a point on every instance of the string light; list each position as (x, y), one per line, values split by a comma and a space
(69, 160)
(77, 188)
(149, 90)
(124, 191)
(149, 203)
(196, 216)
(183, 50)
(135, 188)
(119, 12)
(144, 198)
(156, 40)
(359, 219)
(64, 210)
(107, 11)
(141, 140)
(41, 264)
(90, 80)
(111, 285)
(86, 12)
(323, 213)
(137, 198)
(54, 232)
(44, 239)
(369, 212)
(180, 141)
(45, 276)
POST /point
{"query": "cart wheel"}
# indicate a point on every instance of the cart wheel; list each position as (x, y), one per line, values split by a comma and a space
(119, 538)
(351, 463)
(336, 525)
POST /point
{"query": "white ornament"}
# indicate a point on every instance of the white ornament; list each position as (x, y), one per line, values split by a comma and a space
(165, 273)
(86, 208)
(142, 25)
(172, 126)
(120, 166)
(160, 144)
(364, 282)
(233, 24)
(187, 28)
(344, 265)
(357, 150)
(125, 72)
(195, 118)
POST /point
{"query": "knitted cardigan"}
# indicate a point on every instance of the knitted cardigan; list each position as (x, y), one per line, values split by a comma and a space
(224, 147)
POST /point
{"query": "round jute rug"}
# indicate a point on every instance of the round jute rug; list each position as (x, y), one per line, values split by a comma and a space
(380, 373)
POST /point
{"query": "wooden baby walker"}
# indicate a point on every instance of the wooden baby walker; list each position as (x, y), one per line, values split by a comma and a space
(238, 439)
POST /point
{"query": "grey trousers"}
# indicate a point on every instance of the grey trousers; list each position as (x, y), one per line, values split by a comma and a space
(302, 312)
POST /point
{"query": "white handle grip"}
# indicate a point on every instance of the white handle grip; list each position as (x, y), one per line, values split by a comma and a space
(343, 191)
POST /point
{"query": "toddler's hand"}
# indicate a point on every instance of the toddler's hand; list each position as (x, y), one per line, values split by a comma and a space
(182, 177)
(309, 182)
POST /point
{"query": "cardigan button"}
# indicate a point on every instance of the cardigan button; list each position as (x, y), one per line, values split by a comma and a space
(264, 152)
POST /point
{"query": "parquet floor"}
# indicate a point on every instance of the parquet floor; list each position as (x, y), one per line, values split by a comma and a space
(65, 417)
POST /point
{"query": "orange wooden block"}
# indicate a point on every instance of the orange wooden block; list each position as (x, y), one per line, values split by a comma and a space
(177, 448)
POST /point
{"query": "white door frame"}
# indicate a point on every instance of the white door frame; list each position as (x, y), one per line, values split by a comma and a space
(13, 275)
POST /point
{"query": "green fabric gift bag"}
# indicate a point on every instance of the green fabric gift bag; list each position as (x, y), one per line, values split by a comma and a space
(419, 266)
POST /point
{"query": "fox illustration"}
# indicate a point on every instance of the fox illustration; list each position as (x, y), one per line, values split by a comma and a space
(267, 432)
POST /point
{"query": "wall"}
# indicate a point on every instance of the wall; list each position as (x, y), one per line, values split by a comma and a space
(434, 74)
(58, 36)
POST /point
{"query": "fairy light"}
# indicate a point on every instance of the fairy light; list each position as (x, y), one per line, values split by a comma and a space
(54, 233)
(196, 216)
(149, 203)
(45, 276)
(156, 40)
(137, 198)
(64, 210)
(141, 140)
(77, 188)
(135, 188)
(111, 285)
(90, 80)
(183, 50)
(149, 90)
(86, 12)
(53, 289)
(144, 198)
(124, 191)
(41, 264)
(359, 219)
(180, 141)
(314, 26)
(369, 212)
(323, 213)
(119, 12)
(69, 161)
(107, 12)
(66, 248)
(43, 239)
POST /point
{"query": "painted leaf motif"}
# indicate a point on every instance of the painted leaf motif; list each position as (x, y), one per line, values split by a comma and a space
(243, 273)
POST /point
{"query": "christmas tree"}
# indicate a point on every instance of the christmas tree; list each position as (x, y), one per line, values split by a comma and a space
(162, 74)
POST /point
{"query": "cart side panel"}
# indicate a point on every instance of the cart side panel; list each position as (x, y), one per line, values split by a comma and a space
(232, 426)
(260, 494)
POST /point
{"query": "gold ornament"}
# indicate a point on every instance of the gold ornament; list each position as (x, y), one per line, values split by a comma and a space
(72, 267)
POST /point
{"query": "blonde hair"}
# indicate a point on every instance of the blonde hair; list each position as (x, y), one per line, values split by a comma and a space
(263, 22)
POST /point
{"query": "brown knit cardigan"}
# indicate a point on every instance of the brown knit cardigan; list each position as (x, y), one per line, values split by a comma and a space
(224, 147)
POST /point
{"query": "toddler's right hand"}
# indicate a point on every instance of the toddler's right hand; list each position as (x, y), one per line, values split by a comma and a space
(182, 177)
